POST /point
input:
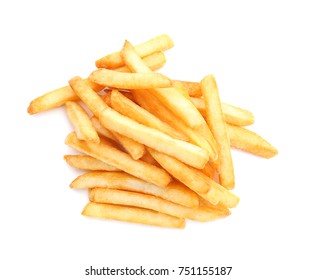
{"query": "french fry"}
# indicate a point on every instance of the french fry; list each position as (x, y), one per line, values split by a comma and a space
(232, 114)
(131, 214)
(106, 152)
(109, 118)
(154, 61)
(174, 192)
(146, 201)
(81, 122)
(249, 141)
(159, 43)
(87, 163)
(127, 107)
(216, 122)
(112, 78)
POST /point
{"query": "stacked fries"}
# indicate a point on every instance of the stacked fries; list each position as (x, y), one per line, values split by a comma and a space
(157, 151)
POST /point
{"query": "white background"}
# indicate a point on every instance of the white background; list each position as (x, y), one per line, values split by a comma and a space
(263, 55)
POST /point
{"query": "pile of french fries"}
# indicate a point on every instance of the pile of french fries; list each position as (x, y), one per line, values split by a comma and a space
(156, 151)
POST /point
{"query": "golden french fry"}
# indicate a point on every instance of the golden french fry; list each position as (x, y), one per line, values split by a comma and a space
(109, 118)
(131, 214)
(159, 43)
(216, 122)
(88, 163)
(146, 201)
(128, 108)
(154, 61)
(112, 78)
(81, 122)
(175, 191)
(106, 152)
(102, 130)
(232, 114)
(249, 141)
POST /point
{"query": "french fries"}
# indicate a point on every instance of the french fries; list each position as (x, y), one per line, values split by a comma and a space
(216, 122)
(155, 151)
(115, 79)
(131, 214)
(174, 191)
(108, 153)
(88, 163)
(159, 43)
(81, 122)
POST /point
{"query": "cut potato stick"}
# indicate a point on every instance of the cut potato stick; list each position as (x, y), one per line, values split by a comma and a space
(175, 191)
(109, 118)
(146, 201)
(112, 78)
(128, 108)
(249, 141)
(154, 106)
(232, 114)
(154, 61)
(159, 43)
(81, 122)
(106, 152)
(88, 163)
(131, 214)
(102, 130)
(216, 122)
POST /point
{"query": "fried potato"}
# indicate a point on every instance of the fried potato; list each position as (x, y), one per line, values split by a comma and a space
(115, 79)
(109, 118)
(249, 141)
(81, 122)
(128, 108)
(216, 122)
(131, 214)
(146, 201)
(159, 43)
(174, 191)
(88, 163)
(108, 153)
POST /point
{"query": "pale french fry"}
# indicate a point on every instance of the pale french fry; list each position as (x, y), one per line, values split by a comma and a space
(115, 79)
(128, 108)
(109, 118)
(131, 214)
(102, 130)
(154, 61)
(88, 163)
(146, 201)
(175, 191)
(159, 43)
(81, 122)
(232, 114)
(154, 106)
(216, 122)
(249, 141)
(106, 152)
